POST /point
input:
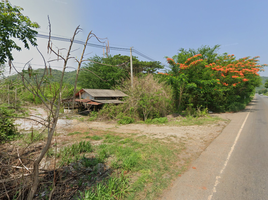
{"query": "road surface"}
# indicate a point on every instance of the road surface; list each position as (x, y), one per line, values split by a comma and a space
(235, 165)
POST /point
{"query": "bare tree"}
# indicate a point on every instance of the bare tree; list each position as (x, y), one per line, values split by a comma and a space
(53, 105)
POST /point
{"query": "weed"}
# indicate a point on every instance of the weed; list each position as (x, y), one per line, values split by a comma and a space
(96, 137)
(125, 120)
(112, 138)
(113, 188)
(72, 153)
(160, 120)
(75, 133)
(33, 136)
(93, 116)
(190, 120)
(50, 152)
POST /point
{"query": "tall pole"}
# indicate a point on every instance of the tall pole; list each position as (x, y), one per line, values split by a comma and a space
(131, 67)
(8, 94)
(15, 97)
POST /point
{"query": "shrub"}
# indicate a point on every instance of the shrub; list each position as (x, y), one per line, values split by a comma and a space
(7, 128)
(126, 120)
(236, 106)
(147, 99)
(160, 120)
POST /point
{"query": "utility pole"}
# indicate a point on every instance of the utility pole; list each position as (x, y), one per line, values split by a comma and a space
(15, 97)
(131, 67)
(8, 94)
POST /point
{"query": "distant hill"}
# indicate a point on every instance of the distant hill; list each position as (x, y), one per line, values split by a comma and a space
(69, 77)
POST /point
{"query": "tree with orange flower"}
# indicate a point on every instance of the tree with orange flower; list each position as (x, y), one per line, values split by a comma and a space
(202, 78)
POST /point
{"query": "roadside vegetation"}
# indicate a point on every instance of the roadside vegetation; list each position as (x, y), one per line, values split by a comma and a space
(96, 164)
(131, 166)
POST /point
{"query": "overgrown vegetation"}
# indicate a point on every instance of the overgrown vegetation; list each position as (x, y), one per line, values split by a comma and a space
(147, 99)
(7, 127)
(203, 79)
(72, 153)
(110, 72)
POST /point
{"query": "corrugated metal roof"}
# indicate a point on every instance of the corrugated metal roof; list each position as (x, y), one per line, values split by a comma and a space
(105, 93)
(87, 101)
(109, 101)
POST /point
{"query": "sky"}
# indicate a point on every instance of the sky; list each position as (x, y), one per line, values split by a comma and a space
(152, 27)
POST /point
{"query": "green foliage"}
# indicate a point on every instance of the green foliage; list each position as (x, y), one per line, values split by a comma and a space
(93, 115)
(106, 73)
(113, 188)
(236, 106)
(147, 99)
(97, 76)
(125, 120)
(7, 127)
(160, 120)
(75, 133)
(96, 137)
(33, 136)
(72, 153)
(14, 25)
(203, 79)
(266, 84)
(49, 86)
(148, 159)
(263, 91)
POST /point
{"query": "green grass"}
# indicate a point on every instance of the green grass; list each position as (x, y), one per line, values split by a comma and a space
(160, 120)
(96, 137)
(112, 188)
(78, 133)
(145, 161)
(189, 121)
(72, 153)
(75, 133)
(32, 137)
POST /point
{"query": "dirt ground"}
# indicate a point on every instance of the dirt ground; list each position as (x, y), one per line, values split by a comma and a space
(195, 137)
(189, 141)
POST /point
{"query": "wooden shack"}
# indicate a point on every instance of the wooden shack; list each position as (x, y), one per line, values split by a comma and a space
(94, 99)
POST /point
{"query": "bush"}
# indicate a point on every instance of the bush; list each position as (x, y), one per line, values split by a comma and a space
(126, 120)
(236, 106)
(160, 120)
(147, 99)
(7, 128)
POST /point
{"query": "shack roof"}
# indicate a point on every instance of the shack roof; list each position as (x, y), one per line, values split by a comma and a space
(109, 101)
(103, 93)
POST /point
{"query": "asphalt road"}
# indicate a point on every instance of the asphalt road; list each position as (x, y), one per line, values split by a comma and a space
(235, 165)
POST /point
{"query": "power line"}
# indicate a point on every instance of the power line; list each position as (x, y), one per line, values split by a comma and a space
(95, 45)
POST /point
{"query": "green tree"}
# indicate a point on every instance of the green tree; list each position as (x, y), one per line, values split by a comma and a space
(13, 24)
(218, 82)
(266, 84)
(106, 73)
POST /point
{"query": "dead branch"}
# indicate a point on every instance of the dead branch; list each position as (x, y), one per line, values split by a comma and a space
(21, 162)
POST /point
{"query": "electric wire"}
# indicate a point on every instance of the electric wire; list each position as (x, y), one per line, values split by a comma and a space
(96, 45)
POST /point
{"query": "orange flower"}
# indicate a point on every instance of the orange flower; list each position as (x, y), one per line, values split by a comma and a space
(170, 60)
(234, 76)
(245, 80)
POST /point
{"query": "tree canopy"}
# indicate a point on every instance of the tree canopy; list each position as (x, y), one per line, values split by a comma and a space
(202, 78)
(13, 24)
(106, 73)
